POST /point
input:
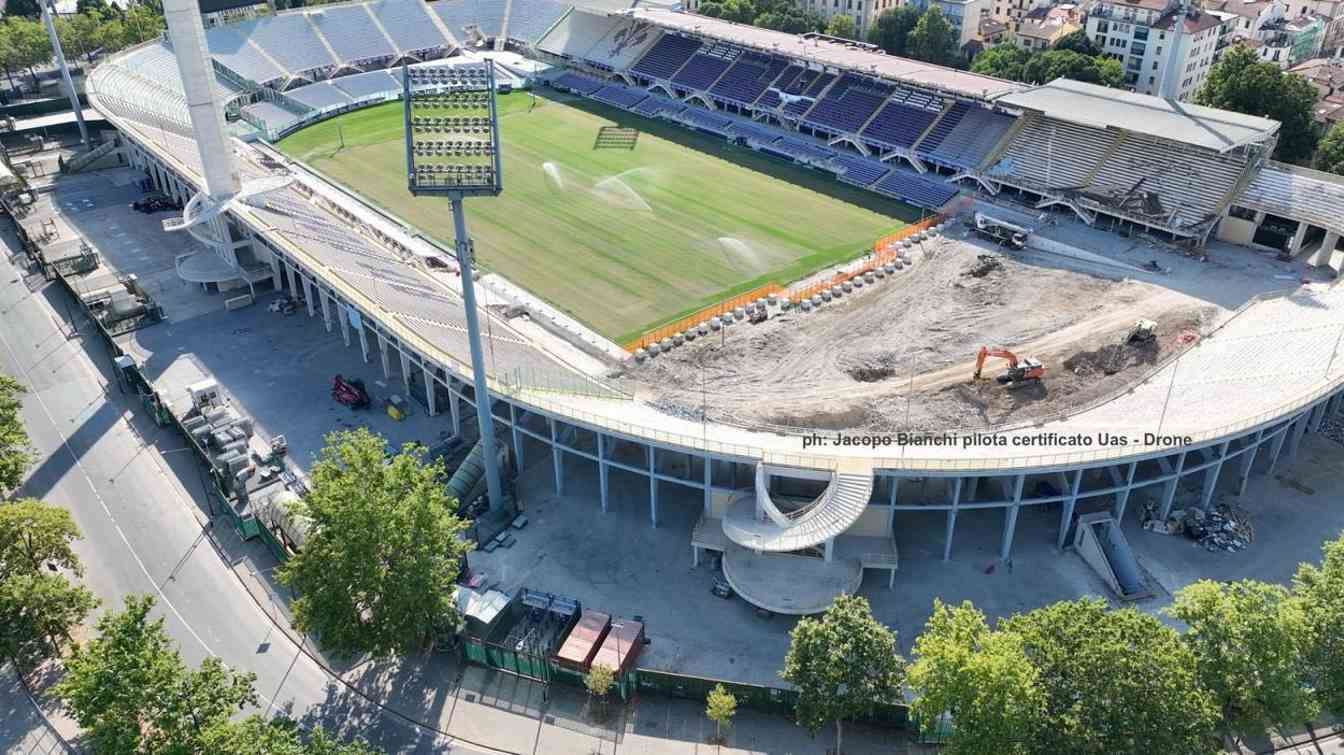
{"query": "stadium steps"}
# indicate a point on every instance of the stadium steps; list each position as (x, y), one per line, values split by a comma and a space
(383, 29)
(818, 98)
(858, 132)
(1117, 144)
(443, 27)
(1008, 137)
(268, 57)
(1248, 174)
(503, 25)
(933, 124)
(317, 32)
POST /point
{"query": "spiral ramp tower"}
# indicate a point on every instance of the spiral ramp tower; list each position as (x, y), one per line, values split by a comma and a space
(797, 559)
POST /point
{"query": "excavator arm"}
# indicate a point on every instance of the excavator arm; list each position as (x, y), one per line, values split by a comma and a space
(995, 351)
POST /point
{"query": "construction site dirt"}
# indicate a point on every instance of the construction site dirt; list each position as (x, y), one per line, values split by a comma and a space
(900, 354)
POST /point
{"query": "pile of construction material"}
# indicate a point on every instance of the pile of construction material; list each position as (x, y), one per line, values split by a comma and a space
(1223, 528)
(1333, 428)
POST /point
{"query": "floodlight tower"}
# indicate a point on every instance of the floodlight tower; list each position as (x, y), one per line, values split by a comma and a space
(452, 150)
(49, 18)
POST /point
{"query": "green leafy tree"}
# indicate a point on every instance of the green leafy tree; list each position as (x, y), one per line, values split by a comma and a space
(1002, 61)
(1079, 42)
(893, 27)
(274, 736)
(97, 8)
(933, 40)
(982, 678)
(720, 707)
(1320, 589)
(1330, 151)
(28, 43)
(1248, 640)
(130, 691)
(599, 681)
(377, 571)
(1049, 65)
(111, 35)
(79, 35)
(841, 26)
(34, 536)
(23, 8)
(1109, 72)
(1242, 82)
(844, 664)
(16, 452)
(1115, 682)
(37, 613)
(143, 22)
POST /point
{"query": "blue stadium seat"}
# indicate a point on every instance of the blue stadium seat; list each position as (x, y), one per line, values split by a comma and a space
(668, 54)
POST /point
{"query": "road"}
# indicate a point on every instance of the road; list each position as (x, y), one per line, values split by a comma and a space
(144, 532)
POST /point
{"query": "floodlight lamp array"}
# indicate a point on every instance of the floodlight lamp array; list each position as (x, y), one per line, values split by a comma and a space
(452, 142)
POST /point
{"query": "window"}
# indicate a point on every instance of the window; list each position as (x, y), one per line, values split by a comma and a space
(1151, 80)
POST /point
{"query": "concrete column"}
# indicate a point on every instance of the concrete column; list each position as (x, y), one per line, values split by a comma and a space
(971, 487)
(276, 282)
(1211, 477)
(891, 505)
(363, 342)
(952, 518)
(293, 286)
(830, 550)
(1066, 511)
(1010, 518)
(308, 296)
(326, 309)
(431, 400)
(653, 487)
(1276, 446)
(382, 356)
(602, 470)
(1295, 245)
(455, 410)
(1298, 429)
(1122, 496)
(344, 313)
(1317, 417)
(1248, 461)
(709, 485)
(558, 460)
(517, 438)
(405, 371)
(1169, 488)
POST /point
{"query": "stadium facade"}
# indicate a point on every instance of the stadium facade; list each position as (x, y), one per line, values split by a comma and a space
(1234, 405)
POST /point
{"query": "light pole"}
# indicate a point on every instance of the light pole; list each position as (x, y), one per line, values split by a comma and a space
(452, 150)
(48, 17)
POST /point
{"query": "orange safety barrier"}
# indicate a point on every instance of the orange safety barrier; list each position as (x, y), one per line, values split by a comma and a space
(713, 310)
(884, 251)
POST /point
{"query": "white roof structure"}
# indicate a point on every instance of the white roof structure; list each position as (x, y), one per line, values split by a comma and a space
(849, 56)
(1290, 191)
(1103, 107)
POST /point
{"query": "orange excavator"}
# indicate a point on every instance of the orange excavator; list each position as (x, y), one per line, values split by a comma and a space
(1020, 372)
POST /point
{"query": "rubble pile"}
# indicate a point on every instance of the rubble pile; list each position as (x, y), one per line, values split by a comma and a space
(984, 265)
(1223, 528)
(1333, 428)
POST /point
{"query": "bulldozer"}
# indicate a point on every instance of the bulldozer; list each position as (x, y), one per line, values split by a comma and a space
(1021, 371)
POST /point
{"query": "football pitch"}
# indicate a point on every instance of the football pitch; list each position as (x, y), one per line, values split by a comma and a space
(625, 228)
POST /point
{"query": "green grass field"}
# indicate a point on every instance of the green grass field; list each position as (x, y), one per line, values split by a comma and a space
(622, 239)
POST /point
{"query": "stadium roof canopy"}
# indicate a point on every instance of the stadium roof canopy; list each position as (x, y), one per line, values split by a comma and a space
(849, 56)
(1103, 107)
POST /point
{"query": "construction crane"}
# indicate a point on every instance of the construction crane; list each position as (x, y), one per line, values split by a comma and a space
(1020, 372)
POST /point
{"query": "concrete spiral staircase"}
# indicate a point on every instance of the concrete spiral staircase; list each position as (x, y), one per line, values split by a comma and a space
(758, 524)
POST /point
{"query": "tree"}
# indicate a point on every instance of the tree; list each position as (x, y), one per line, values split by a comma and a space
(720, 706)
(1049, 65)
(1321, 593)
(933, 40)
(37, 613)
(1114, 682)
(599, 681)
(143, 23)
(130, 691)
(1330, 151)
(274, 736)
(377, 572)
(1079, 42)
(844, 665)
(1247, 638)
(893, 27)
(28, 44)
(79, 35)
(34, 536)
(1240, 81)
(982, 678)
(841, 26)
(1002, 61)
(16, 452)
(23, 9)
(97, 8)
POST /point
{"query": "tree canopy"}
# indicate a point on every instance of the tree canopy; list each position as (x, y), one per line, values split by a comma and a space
(377, 572)
(841, 26)
(274, 736)
(1330, 150)
(892, 27)
(779, 15)
(1248, 640)
(1002, 61)
(1049, 65)
(1078, 42)
(844, 663)
(16, 452)
(933, 40)
(1321, 592)
(130, 691)
(982, 678)
(1240, 81)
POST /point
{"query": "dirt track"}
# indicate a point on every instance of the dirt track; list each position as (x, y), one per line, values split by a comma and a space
(850, 364)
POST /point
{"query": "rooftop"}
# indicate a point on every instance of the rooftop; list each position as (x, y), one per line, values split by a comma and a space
(1102, 107)
(847, 56)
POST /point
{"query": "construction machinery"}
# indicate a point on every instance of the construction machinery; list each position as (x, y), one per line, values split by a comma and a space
(1021, 370)
(1143, 332)
(351, 393)
(1001, 231)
